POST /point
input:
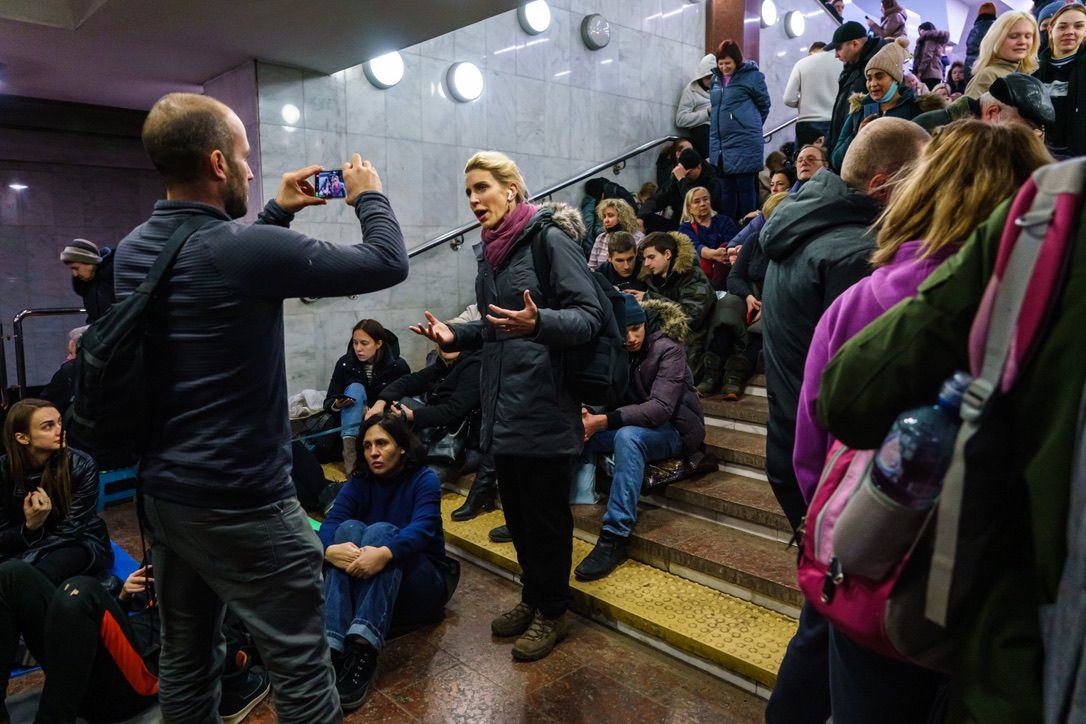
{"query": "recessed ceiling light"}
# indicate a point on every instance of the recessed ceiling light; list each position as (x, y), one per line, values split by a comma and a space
(291, 114)
(465, 81)
(18, 187)
(384, 71)
(534, 17)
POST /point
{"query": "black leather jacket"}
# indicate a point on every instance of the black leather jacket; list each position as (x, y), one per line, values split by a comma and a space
(80, 525)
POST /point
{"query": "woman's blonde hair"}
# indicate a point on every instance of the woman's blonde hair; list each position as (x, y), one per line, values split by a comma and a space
(687, 216)
(772, 202)
(502, 168)
(967, 170)
(993, 40)
(627, 219)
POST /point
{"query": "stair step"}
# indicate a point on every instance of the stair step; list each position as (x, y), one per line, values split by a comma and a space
(736, 446)
(734, 500)
(748, 414)
(733, 638)
(729, 560)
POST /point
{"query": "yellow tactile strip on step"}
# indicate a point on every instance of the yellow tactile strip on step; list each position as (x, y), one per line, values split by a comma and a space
(744, 638)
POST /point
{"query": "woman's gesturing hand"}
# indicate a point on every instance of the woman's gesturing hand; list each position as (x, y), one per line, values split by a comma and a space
(434, 330)
(517, 323)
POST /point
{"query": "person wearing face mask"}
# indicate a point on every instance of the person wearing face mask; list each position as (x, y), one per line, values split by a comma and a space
(371, 363)
(710, 233)
(1063, 71)
(531, 420)
(886, 96)
(694, 110)
(740, 105)
(616, 215)
(1010, 46)
(385, 551)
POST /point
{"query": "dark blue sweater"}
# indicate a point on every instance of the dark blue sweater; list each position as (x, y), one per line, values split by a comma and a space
(411, 502)
(220, 437)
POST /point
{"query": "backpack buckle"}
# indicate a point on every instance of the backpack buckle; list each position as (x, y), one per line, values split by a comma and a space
(975, 399)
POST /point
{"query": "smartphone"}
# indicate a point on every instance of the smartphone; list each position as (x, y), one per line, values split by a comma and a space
(329, 185)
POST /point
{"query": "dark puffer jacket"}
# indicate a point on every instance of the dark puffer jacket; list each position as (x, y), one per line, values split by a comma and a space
(527, 409)
(687, 286)
(79, 525)
(735, 127)
(928, 54)
(98, 295)
(976, 35)
(452, 391)
(850, 81)
(661, 383)
(818, 246)
(349, 370)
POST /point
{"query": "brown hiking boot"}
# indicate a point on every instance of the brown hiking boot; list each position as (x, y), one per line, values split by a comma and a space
(513, 622)
(540, 637)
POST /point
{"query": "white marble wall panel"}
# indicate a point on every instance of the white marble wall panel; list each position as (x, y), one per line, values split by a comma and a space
(549, 102)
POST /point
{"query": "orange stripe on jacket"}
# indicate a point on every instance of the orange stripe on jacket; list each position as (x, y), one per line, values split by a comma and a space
(128, 660)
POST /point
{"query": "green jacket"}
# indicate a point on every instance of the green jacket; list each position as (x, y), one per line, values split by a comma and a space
(897, 363)
(964, 107)
(687, 286)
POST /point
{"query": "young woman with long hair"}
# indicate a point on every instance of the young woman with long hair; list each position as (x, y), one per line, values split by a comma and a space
(1010, 46)
(49, 497)
(966, 172)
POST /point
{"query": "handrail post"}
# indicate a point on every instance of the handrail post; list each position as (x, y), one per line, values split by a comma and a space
(17, 329)
(3, 370)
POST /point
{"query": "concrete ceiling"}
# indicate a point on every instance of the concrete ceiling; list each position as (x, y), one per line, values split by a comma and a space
(127, 53)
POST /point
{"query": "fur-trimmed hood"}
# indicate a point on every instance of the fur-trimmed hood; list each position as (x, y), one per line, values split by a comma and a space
(667, 318)
(926, 102)
(567, 218)
(685, 256)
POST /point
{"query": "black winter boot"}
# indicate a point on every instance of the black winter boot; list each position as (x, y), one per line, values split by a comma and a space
(481, 498)
(609, 552)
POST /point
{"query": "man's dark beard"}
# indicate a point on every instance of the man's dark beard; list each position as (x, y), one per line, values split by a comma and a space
(236, 204)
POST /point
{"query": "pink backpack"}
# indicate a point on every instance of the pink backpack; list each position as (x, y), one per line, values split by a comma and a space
(893, 579)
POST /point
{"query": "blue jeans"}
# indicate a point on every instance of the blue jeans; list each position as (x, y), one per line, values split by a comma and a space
(350, 418)
(411, 591)
(633, 446)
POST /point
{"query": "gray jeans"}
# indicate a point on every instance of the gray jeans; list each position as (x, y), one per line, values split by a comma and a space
(265, 564)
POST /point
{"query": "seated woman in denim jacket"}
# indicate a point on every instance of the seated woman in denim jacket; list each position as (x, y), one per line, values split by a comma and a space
(49, 497)
(384, 541)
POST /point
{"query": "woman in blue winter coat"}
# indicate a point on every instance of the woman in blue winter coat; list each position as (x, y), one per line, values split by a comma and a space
(740, 104)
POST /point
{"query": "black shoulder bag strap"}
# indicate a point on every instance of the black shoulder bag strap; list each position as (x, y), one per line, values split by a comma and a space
(168, 256)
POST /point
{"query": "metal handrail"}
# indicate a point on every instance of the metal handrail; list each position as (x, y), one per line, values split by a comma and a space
(459, 232)
(768, 135)
(17, 326)
(3, 370)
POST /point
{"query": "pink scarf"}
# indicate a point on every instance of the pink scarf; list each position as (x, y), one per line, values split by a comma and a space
(1043, 287)
(499, 241)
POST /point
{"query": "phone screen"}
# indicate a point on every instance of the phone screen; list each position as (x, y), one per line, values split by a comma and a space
(329, 185)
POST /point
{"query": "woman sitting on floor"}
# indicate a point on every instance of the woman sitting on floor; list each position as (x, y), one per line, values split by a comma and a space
(49, 497)
(384, 541)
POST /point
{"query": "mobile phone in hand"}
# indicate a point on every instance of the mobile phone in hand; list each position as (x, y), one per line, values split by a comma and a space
(329, 185)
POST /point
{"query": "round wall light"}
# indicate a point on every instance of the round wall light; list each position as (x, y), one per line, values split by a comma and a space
(794, 23)
(595, 31)
(464, 81)
(384, 71)
(290, 114)
(534, 17)
(769, 13)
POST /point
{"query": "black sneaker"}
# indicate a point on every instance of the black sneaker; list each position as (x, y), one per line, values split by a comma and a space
(356, 674)
(241, 692)
(609, 552)
(500, 534)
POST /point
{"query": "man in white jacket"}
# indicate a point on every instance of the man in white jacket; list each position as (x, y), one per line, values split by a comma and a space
(693, 110)
(812, 88)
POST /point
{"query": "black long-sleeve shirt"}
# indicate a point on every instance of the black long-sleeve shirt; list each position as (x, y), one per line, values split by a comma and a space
(220, 435)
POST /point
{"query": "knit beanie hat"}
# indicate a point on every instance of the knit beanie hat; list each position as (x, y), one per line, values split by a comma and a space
(635, 315)
(890, 59)
(81, 251)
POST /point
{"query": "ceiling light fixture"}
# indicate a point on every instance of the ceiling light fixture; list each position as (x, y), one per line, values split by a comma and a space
(464, 81)
(794, 23)
(18, 186)
(595, 31)
(534, 17)
(768, 13)
(291, 114)
(384, 71)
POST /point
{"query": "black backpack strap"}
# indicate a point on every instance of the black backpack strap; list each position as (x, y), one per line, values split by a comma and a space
(166, 258)
(541, 262)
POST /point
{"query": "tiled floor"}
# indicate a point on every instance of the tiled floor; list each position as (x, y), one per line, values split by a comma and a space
(456, 671)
